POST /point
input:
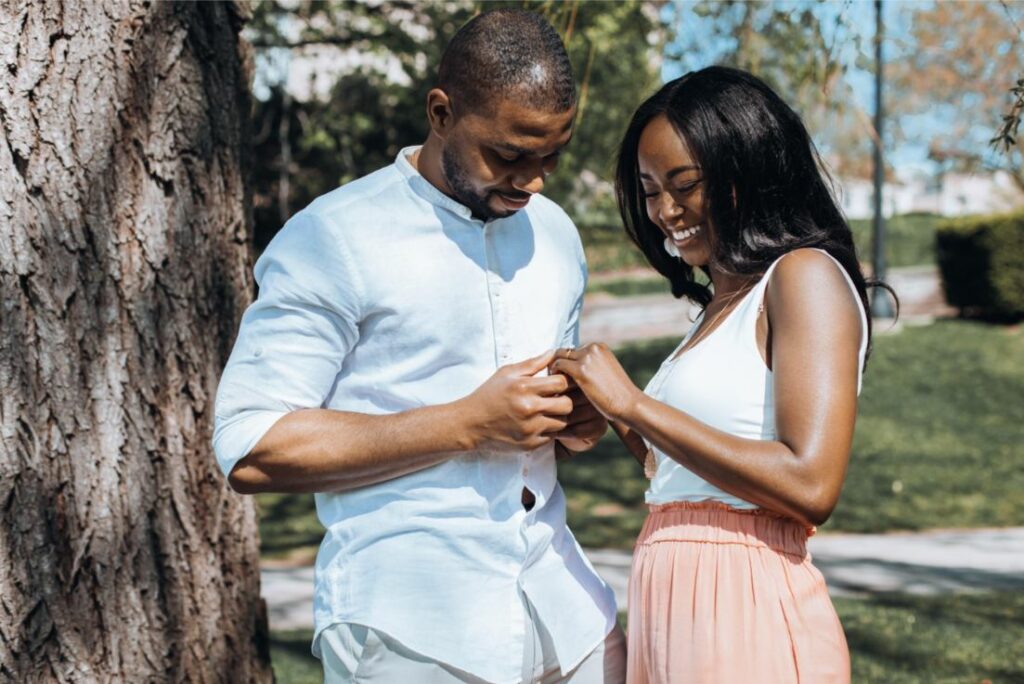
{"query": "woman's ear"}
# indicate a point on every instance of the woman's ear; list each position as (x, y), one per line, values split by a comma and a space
(440, 113)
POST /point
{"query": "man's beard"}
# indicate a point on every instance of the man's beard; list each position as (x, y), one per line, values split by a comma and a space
(462, 190)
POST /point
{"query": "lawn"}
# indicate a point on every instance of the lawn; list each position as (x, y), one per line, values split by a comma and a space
(894, 639)
(630, 286)
(938, 444)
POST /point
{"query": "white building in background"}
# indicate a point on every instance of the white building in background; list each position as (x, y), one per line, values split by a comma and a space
(949, 194)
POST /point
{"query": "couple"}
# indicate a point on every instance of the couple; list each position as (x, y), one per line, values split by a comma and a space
(411, 360)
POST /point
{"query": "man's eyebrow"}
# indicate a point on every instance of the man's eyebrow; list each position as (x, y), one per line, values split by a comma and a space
(516, 149)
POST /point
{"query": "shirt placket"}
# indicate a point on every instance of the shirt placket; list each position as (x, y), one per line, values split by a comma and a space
(504, 354)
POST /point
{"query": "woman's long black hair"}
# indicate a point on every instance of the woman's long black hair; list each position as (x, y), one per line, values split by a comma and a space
(764, 184)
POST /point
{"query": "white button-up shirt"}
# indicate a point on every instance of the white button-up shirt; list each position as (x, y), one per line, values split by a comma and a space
(383, 296)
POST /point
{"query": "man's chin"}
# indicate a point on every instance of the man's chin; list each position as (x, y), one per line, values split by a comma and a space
(499, 210)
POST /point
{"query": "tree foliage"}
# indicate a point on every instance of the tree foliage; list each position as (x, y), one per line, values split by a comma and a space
(317, 128)
(803, 49)
(965, 59)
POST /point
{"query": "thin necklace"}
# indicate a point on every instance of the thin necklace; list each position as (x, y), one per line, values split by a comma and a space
(708, 328)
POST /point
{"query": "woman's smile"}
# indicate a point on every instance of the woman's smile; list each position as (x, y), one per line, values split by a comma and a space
(682, 235)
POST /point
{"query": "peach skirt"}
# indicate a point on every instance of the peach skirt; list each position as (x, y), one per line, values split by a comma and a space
(718, 594)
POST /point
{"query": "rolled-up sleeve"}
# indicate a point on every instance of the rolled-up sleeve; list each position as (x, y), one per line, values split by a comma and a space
(293, 339)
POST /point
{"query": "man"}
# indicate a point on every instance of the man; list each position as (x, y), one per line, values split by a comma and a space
(395, 363)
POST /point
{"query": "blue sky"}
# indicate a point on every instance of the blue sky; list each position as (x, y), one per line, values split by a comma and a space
(856, 19)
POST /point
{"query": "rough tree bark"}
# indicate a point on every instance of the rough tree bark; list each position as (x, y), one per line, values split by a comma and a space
(124, 268)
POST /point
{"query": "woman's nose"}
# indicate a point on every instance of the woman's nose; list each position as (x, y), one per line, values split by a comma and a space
(668, 208)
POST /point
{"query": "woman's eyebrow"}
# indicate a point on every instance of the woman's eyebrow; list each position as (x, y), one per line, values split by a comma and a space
(674, 172)
(679, 169)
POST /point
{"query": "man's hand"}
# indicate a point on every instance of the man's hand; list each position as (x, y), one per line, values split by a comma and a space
(513, 409)
(585, 425)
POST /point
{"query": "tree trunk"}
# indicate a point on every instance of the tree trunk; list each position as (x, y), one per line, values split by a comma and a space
(124, 268)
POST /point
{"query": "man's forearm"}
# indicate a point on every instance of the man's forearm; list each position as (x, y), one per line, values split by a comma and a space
(317, 450)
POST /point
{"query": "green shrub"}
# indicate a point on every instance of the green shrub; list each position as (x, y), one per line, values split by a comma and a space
(981, 259)
(909, 239)
(609, 249)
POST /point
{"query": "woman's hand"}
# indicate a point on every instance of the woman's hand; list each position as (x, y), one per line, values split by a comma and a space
(597, 372)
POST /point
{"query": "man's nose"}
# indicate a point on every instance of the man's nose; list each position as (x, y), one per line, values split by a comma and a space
(530, 179)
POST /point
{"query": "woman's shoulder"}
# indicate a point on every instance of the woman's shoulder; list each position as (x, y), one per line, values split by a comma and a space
(811, 280)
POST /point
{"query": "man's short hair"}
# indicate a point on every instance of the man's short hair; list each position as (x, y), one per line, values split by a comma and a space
(507, 53)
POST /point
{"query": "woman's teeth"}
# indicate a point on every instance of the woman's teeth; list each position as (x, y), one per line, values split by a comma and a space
(686, 233)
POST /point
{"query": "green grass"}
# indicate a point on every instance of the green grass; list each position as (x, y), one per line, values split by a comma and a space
(940, 432)
(938, 444)
(288, 523)
(630, 286)
(969, 638)
(292, 660)
(894, 639)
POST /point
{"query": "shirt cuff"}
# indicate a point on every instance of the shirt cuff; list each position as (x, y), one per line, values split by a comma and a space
(234, 438)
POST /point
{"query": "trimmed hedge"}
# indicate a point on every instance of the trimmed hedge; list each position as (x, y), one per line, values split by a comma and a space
(981, 259)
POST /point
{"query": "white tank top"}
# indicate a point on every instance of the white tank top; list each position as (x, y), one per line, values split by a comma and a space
(723, 381)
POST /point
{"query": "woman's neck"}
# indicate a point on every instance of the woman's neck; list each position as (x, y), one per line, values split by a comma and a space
(727, 284)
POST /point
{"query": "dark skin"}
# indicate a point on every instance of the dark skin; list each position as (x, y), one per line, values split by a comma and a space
(504, 156)
(809, 337)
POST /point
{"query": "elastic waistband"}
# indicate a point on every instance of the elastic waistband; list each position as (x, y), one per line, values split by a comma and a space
(713, 522)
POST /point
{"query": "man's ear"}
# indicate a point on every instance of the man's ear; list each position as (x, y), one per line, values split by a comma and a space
(440, 113)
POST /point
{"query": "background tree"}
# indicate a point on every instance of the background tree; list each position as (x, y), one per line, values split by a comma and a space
(350, 79)
(804, 49)
(961, 62)
(124, 267)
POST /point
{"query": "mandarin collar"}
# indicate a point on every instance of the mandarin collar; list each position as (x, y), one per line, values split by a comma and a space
(427, 190)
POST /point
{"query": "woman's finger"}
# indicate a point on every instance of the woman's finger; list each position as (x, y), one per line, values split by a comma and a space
(566, 353)
(566, 367)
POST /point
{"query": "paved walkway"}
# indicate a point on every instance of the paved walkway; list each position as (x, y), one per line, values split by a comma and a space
(853, 564)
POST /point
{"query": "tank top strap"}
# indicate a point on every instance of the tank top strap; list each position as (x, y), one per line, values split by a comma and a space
(754, 303)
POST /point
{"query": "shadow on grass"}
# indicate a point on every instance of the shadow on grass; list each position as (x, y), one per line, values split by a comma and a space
(963, 638)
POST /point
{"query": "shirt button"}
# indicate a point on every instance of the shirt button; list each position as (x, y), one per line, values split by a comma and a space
(525, 471)
(258, 351)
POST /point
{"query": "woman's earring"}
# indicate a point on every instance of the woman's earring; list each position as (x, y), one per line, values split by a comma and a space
(671, 248)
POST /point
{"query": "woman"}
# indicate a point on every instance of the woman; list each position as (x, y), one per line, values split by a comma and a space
(747, 425)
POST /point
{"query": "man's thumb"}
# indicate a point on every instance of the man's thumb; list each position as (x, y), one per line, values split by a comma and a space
(533, 365)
